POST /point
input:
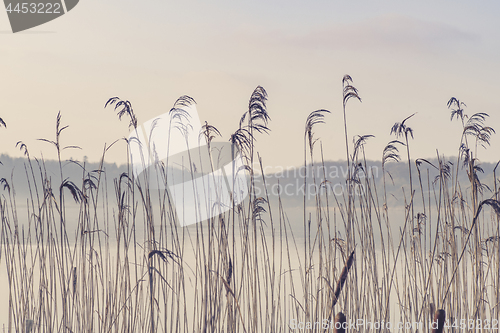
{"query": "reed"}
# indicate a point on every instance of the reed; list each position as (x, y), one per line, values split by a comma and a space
(103, 251)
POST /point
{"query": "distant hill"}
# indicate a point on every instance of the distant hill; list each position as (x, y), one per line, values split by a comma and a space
(289, 183)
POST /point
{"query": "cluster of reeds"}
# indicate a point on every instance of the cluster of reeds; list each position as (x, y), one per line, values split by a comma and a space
(102, 254)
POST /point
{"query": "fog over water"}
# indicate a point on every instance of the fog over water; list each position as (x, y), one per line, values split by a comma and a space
(284, 221)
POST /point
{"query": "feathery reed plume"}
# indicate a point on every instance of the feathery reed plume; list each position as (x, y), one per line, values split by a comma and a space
(391, 152)
(473, 169)
(209, 132)
(257, 110)
(243, 139)
(401, 129)
(184, 101)
(5, 183)
(315, 117)
(123, 108)
(163, 255)
(475, 128)
(22, 147)
(419, 162)
(458, 111)
(178, 113)
(258, 209)
(349, 90)
(75, 191)
(444, 171)
(256, 119)
(359, 144)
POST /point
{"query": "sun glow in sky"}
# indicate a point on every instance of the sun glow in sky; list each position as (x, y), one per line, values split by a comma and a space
(404, 57)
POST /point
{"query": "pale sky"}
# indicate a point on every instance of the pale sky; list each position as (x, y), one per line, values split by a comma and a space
(404, 57)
